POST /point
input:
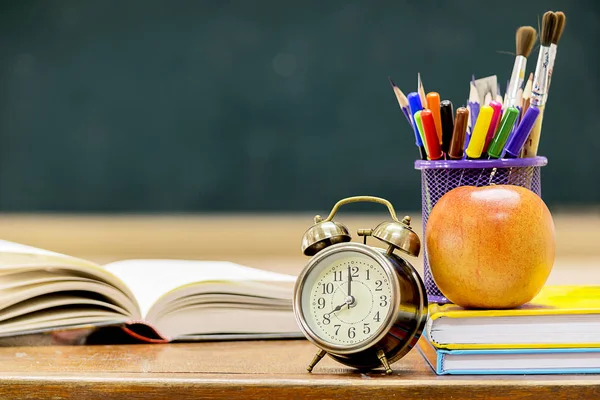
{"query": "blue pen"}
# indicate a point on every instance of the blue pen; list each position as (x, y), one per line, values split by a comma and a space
(414, 103)
(520, 135)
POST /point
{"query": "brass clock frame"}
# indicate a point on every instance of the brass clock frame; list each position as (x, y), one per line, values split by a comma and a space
(405, 320)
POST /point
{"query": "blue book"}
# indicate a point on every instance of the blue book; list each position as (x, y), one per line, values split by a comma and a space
(510, 361)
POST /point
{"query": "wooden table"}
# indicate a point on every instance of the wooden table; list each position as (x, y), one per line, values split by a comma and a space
(272, 370)
(269, 369)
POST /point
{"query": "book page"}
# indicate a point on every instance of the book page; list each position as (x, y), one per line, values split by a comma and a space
(227, 320)
(53, 301)
(151, 279)
(87, 288)
(16, 257)
(35, 254)
(49, 319)
(273, 295)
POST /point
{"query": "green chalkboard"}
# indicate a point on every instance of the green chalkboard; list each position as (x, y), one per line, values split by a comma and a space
(178, 106)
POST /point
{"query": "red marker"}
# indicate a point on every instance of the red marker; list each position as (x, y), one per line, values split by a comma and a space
(431, 138)
(497, 107)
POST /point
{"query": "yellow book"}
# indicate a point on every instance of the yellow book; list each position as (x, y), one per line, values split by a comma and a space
(558, 317)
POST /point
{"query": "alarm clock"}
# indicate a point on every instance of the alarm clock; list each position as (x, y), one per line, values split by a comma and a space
(364, 306)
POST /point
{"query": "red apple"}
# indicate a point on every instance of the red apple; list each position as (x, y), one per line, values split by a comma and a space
(490, 247)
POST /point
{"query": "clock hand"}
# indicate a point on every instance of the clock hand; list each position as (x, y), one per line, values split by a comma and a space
(349, 285)
(349, 300)
(338, 308)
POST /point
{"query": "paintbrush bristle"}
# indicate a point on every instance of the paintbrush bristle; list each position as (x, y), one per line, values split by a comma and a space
(526, 37)
(548, 23)
(559, 26)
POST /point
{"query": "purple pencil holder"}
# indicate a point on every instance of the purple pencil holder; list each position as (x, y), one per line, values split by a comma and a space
(440, 176)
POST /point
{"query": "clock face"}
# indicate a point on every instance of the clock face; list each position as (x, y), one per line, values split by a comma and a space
(346, 298)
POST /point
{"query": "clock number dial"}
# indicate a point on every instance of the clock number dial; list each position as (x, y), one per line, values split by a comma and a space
(348, 299)
(337, 276)
(384, 300)
(328, 288)
(376, 317)
(352, 332)
(321, 303)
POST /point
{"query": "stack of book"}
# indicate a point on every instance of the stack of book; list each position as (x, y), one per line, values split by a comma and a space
(558, 332)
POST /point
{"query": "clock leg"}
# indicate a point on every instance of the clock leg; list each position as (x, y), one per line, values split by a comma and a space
(384, 361)
(315, 360)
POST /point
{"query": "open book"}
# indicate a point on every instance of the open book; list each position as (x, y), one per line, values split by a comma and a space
(151, 300)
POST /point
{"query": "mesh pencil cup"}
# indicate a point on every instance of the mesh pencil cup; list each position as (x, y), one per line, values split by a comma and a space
(441, 176)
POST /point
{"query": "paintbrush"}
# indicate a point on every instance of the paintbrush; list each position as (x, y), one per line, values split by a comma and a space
(531, 145)
(520, 98)
(561, 20)
(421, 91)
(402, 101)
(525, 39)
(535, 111)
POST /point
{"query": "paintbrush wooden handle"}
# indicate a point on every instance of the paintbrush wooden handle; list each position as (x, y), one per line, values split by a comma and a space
(531, 145)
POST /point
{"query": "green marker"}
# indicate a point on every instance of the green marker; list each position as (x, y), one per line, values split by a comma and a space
(419, 122)
(506, 126)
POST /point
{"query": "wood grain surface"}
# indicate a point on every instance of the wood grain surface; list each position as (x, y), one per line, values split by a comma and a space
(252, 369)
(266, 369)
